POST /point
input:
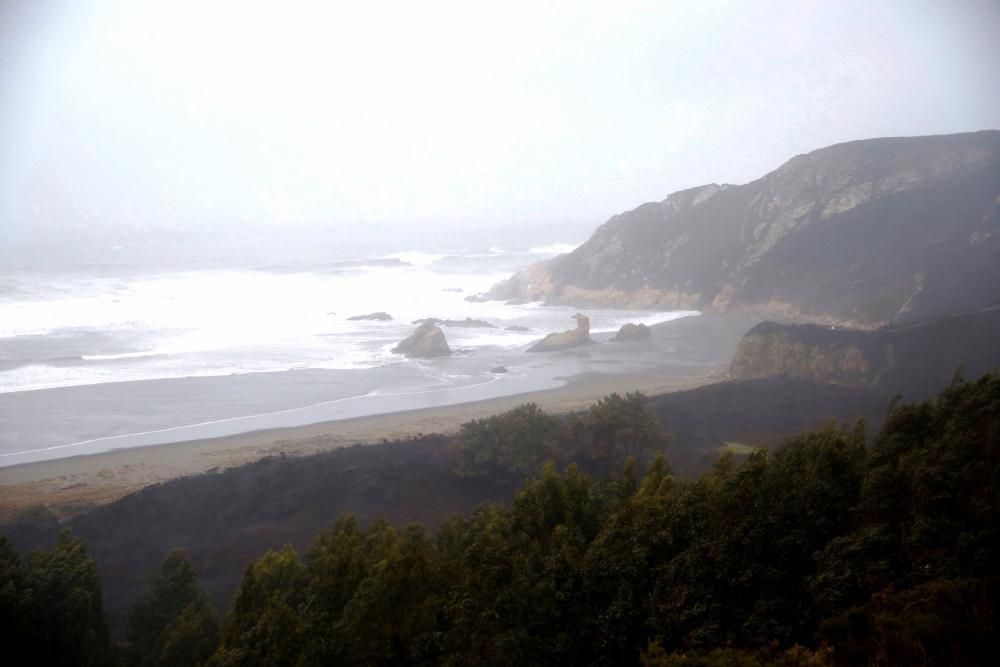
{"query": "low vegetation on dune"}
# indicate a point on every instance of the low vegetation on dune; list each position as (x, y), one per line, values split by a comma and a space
(832, 550)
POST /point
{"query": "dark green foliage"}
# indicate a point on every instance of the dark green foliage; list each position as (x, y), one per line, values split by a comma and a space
(770, 656)
(828, 551)
(621, 427)
(393, 616)
(611, 431)
(265, 624)
(192, 638)
(519, 439)
(766, 559)
(941, 622)
(51, 606)
(16, 597)
(337, 563)
(173, 623)
(519, 599)
(929, 501)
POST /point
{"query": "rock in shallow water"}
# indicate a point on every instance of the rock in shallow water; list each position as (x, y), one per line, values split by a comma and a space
(566, 339)
(426, 341)
(632, 332)
(379, 316)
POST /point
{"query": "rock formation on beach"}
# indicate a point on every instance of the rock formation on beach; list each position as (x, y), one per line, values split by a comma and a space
(379, 316)
(566, 339)
(516, 327)
(632, 332)
(498, 369)
(426, 341)
(872, 232)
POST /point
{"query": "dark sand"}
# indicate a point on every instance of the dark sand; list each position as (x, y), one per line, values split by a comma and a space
(69, 485)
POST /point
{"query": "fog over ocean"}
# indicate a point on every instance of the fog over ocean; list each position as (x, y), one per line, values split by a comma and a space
(128, 313)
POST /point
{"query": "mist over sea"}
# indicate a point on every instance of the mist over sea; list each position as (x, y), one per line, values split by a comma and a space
(134, 312)
(74, 326)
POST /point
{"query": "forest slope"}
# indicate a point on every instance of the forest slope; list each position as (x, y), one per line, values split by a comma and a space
(835, 549)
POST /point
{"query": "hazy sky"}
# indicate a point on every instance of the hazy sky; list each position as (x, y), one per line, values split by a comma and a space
(204, 113)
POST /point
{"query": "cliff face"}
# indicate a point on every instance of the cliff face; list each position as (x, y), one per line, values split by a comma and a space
(810, 352)
(916, 360)
(868, 232)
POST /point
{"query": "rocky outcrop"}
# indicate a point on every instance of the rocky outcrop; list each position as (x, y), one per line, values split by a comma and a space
(914, 360)
(426, 341)
(379, 316)
(810, 352)
(867, 232)
(516, 327)
(566, 339)
(498, 369)
(467, 323)
(632, 332)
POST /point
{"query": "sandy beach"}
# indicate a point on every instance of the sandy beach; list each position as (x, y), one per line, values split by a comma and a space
(682, 354)
(69, 485)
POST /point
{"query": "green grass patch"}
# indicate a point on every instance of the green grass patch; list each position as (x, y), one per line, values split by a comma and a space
(738, 448)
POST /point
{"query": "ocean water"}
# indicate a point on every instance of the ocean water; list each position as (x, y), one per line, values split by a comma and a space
(81, 330)
(62, 330)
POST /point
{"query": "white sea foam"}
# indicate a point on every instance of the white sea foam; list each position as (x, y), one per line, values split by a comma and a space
(416, 258)
(123, 355)
(223, 322)
(554, 249)
(66, 330)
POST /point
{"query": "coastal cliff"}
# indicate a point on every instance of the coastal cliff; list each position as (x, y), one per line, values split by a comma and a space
(810, 352)
(914, 359)
(867, 233)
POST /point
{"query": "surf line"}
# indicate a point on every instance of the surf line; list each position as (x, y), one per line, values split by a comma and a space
(371, 394)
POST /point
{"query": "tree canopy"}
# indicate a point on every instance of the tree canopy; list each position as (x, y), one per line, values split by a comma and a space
(173, 623)
(831, 550)
(52, 607)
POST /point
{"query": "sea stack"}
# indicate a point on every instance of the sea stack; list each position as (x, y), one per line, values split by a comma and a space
(426, 341)
(632, 332)
(566, 339)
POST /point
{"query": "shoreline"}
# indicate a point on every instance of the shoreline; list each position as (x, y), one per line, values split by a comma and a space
(71, 485)
(61, 422)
